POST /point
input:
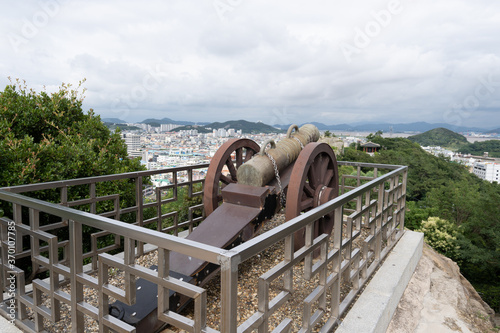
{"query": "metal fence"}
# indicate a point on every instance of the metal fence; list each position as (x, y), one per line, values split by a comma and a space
(70, 242)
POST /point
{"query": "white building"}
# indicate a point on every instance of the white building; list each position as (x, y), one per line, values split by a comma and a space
(133, 142)
(222, 133)
(168, 127)
(487, 170)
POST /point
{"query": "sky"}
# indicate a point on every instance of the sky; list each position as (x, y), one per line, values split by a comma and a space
(278, 62)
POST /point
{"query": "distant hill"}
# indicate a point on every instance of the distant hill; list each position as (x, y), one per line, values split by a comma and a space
(245, 126)
(439, 137)
(123, 127)
(492, 147)
(200, 129)
(170, 121)
(497, 130)
(386, 127)
(113, 121)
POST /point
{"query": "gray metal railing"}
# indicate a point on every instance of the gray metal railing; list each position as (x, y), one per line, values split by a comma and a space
(369, 219)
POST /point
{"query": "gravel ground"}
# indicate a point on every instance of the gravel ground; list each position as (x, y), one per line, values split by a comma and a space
(247, 291)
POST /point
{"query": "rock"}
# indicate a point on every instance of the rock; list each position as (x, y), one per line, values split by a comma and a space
(439, 299)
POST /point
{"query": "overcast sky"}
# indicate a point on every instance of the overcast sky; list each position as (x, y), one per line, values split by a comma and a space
(273, 61)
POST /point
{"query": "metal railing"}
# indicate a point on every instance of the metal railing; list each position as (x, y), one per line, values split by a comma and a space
(54, 239)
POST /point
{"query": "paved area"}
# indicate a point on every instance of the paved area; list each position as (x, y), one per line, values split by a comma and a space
(7, 327)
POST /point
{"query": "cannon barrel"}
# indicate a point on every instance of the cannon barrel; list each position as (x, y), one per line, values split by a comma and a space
(259, 171)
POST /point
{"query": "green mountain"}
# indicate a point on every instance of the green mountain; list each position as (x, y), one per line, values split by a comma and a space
(492, 147)
(439, 137)
(200, 129)
(245, 126)
(113, 120)
(497, 130)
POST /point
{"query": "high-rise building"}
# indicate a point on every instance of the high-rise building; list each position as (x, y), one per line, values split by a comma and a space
(487, 170)
(168, 127)
(133, 142)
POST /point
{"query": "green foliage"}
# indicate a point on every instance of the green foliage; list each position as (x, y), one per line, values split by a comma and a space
(425, 171)
(439, 188)
(182, 204)
(416, 213)
(243, 125)
(439, 137)
(490, 294)
(372, 136)
(48, 137)
(441, 235)
(328, 134)
(479, 148)
(354, 155)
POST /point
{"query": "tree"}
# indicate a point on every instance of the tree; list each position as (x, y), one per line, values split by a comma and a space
(328, 134)
(466, 207)
(48, 137)
(441, 235)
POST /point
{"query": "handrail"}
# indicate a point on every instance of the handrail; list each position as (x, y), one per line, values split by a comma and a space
(97, 179)
(248, 249)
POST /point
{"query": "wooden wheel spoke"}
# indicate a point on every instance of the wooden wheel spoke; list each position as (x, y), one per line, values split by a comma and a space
(308, 190)
(315, 168)
(306, 203)
(239, 157)
(248, 155)
(225, 179)
(313, 175)
(231, 168)
(215, 180)
(323, 165)
(328, 177)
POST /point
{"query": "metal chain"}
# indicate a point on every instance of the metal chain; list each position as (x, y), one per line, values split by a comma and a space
(300, 142)
(276, 172)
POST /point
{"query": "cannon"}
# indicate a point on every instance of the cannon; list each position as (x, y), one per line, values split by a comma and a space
(245, 186)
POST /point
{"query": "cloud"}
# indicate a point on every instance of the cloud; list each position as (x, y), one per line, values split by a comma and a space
(331, 62)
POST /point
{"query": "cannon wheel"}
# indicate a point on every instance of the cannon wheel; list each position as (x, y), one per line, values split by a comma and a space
(231, 154)
(313, 182)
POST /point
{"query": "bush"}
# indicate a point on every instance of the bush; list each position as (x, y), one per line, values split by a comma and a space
(441, 235)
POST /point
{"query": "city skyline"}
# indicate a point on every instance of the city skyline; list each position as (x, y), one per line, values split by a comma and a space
(278, 63)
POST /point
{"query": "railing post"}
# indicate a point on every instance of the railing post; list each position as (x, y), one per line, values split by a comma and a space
(403, 200)
(76, 265)
(229, 293)
(140, 213)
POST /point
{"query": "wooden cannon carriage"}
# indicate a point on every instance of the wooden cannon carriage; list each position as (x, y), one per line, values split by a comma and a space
(245, 186)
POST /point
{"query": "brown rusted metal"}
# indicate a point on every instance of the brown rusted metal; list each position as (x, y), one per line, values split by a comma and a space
(245, 195)
(231, 154)
(229, 225)
(313, 182)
